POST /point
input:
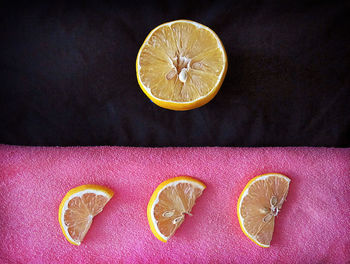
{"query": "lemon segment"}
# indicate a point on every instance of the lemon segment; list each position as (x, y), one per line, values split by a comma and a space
(170, 202)
(77, 209)
(259, 203)
(181, 65)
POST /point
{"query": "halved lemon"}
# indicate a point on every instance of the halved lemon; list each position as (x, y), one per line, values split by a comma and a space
(170, 202)
(79, 207)
(181, 65)
(258, 205)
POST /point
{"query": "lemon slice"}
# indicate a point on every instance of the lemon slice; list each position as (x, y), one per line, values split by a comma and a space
(79, 207)
(181, 65)
(259, 203)
(170, 202)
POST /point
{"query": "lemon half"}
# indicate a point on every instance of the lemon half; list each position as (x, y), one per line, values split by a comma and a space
(181, 65)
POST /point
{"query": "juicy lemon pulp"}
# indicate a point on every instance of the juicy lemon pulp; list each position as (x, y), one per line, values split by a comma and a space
(181, 62)
(79, 214)
(174, 203)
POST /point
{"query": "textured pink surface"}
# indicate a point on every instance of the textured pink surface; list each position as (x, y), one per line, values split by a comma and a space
(313, 226)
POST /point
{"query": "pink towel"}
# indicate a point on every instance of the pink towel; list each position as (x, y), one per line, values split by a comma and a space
(313, 227)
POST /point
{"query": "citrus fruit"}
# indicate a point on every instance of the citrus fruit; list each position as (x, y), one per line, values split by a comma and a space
(79, 207)
(169, 203)
(181, 65)
(258, 205)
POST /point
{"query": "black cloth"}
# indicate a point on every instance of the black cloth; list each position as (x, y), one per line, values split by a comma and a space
(68, 75)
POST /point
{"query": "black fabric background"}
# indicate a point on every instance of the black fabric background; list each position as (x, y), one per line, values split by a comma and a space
(68, 75)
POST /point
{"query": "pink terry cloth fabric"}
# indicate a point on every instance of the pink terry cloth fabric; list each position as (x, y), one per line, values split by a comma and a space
(313, 226)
